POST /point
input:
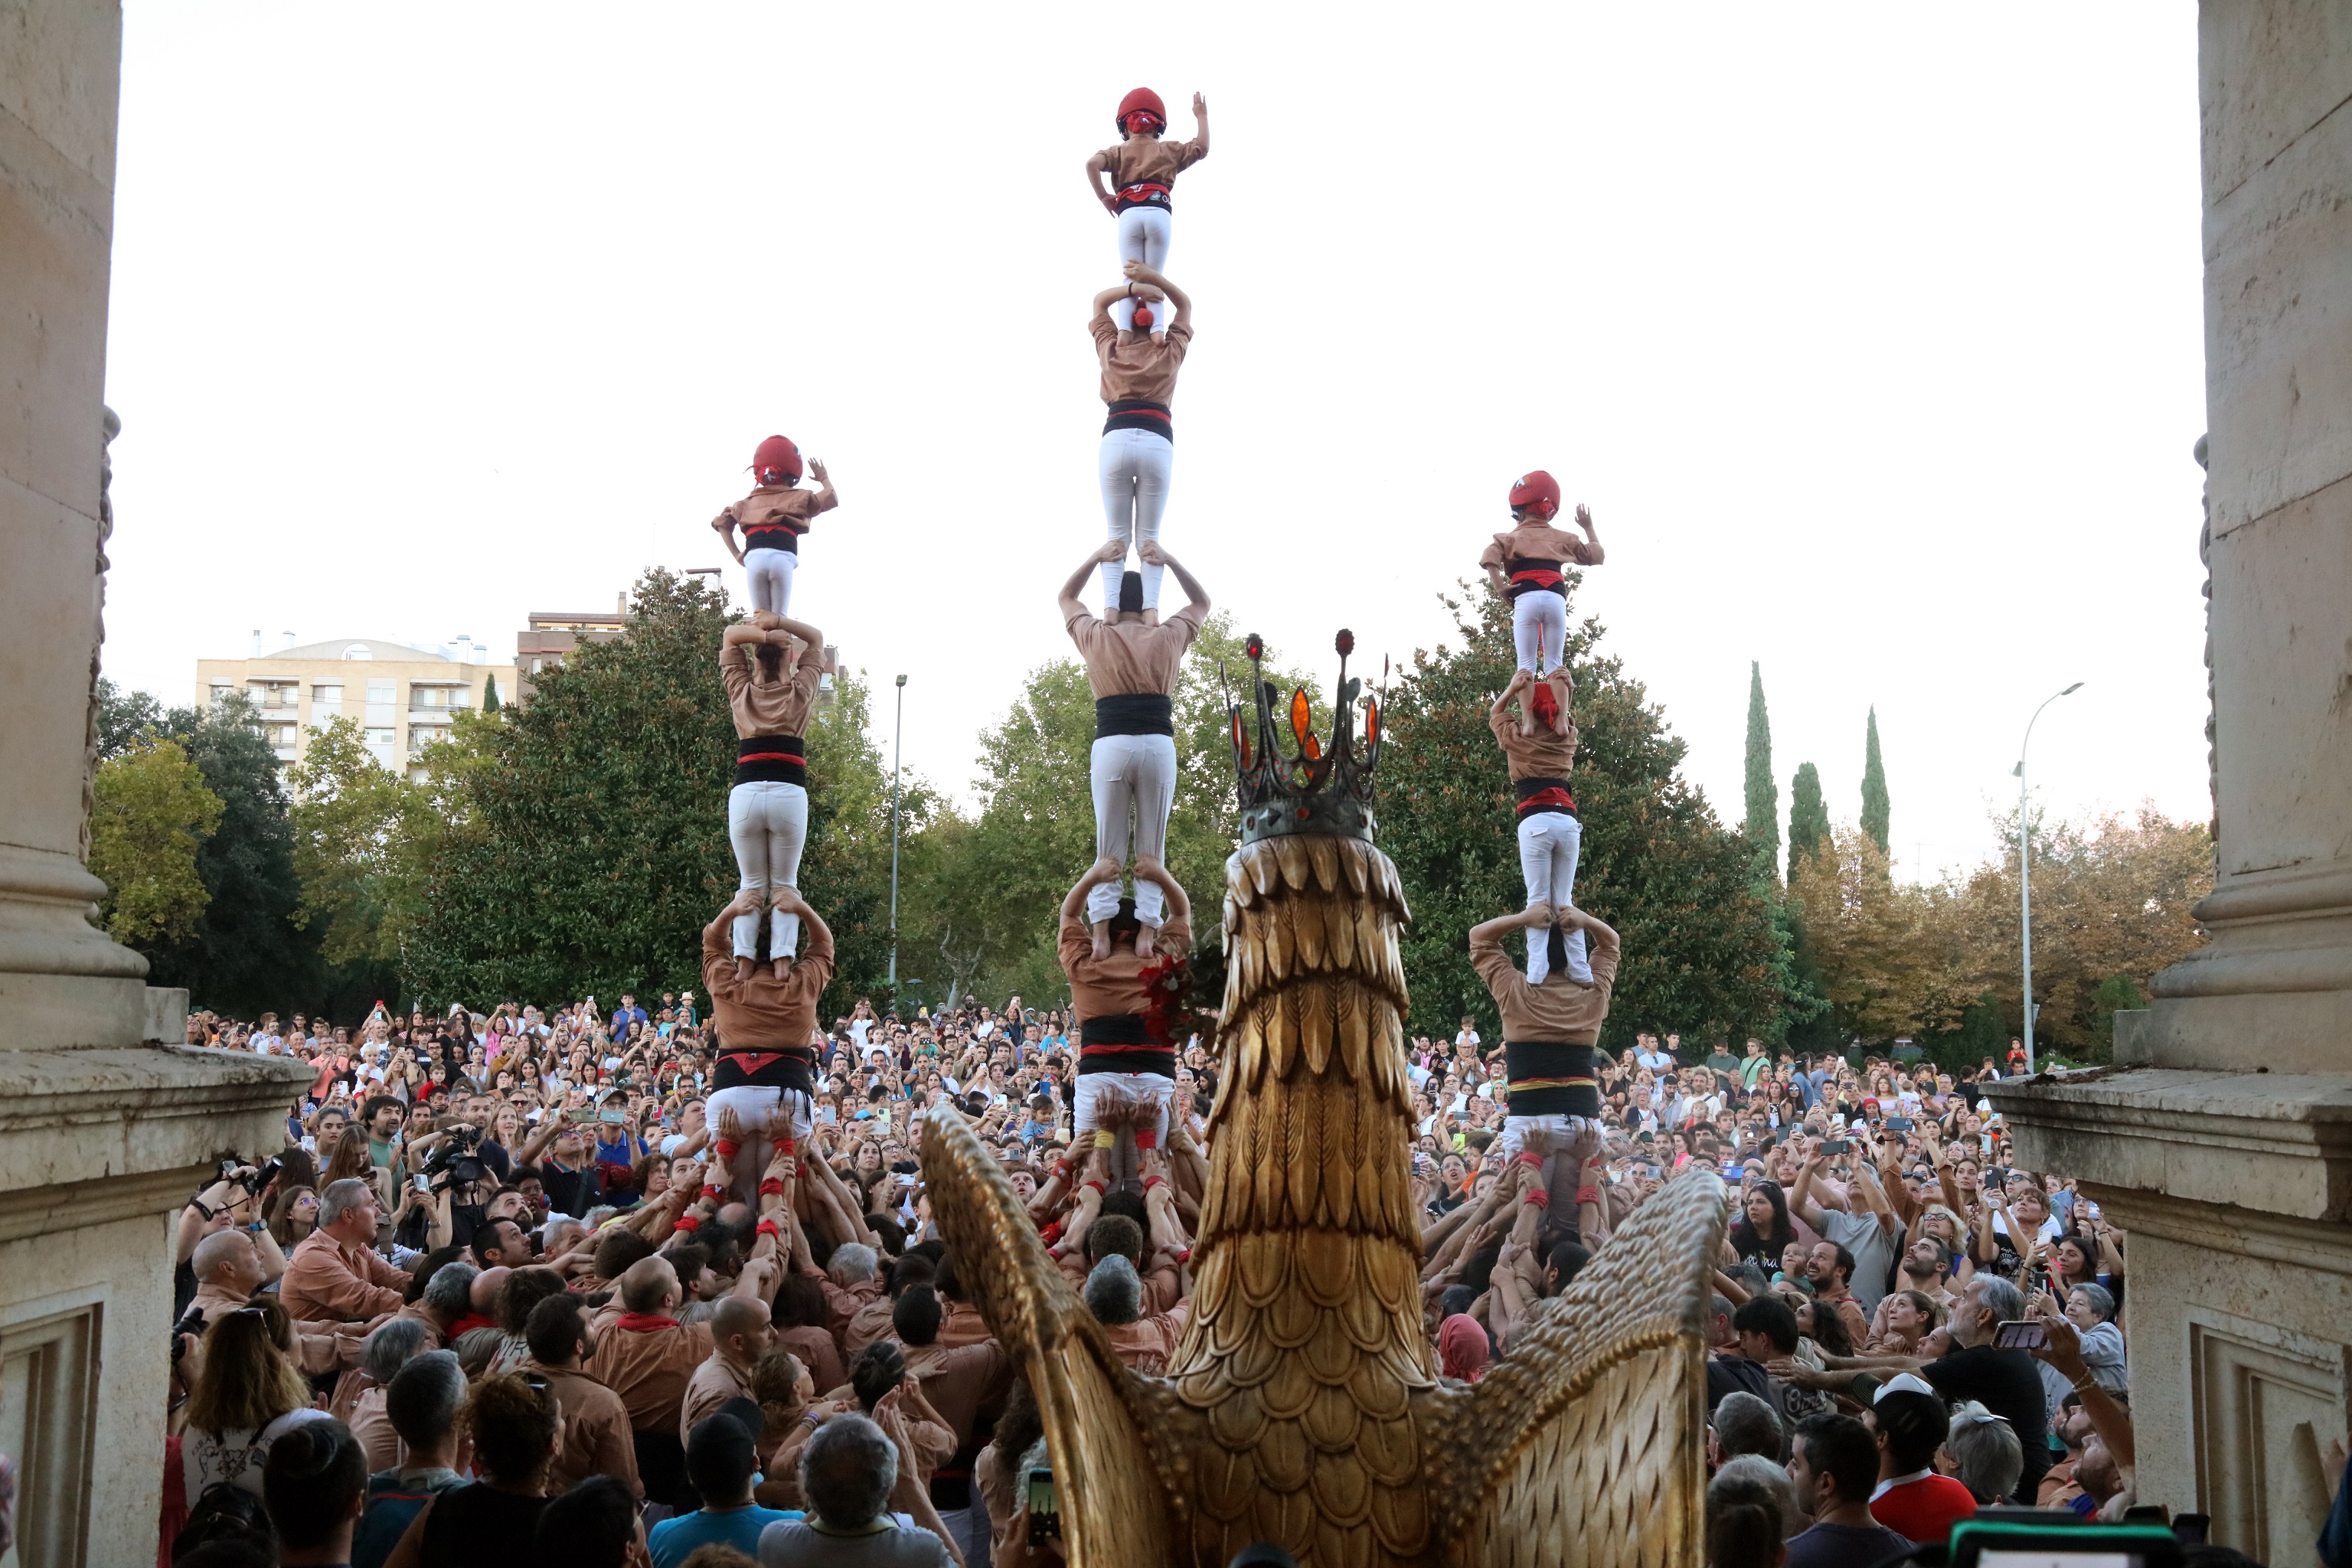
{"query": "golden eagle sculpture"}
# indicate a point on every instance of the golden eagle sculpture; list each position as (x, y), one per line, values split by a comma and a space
(1303, 1404)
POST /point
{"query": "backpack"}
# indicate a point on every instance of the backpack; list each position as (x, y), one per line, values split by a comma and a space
(225, 1512)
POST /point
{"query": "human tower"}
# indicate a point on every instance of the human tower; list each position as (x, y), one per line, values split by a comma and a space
(1125, 956)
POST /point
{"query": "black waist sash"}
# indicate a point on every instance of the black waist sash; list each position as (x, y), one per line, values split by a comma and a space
(1135, 713)
(1550, 1079)
(1532, 576)
(1539, 795)
(1122, 1042)
(1140, 414)
(772, 536)
(771, 759)
(766, 1070)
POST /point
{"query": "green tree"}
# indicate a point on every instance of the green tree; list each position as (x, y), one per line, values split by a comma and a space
(250, 951)
(1875, 808)
(1809, 818)
(364, 843)
(1761, 823)
(491, 694)
(1884, 954)
(585, 845)
(1702, 952)
(151, 810)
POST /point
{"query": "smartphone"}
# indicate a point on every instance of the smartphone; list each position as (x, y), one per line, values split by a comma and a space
(1837, 1146)
(1045, 1511)
(2019, 1334)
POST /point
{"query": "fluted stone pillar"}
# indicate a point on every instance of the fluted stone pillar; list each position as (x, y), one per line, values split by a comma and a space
(102, 1136)
(2222, 1141)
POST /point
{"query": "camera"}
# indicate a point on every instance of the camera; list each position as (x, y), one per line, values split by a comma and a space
(456, 1160)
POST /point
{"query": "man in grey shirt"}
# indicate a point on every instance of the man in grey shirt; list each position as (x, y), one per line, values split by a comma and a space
(848, 1469)
(1864, 1225)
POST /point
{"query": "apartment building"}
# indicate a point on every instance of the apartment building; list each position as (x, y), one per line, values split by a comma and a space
(402, 698)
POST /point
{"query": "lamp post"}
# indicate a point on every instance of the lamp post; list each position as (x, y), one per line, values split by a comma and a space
(898, 740)
(2025, 867)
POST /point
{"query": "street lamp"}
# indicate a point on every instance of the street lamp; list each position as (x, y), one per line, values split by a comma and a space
(897, 739)
(2025, 869)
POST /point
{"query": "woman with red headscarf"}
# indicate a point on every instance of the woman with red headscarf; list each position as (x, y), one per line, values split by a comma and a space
(1462, 1348)
(1142, 170)
(1539, 743)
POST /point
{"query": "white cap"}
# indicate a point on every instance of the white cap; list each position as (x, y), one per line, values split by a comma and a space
(1903, 1382)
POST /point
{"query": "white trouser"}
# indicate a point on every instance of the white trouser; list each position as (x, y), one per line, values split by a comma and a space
(1092, 1088)
(757, 1114)
(1559, 1175)
(1138, 771)
(1143, 236)
(1136, 465)
(770, 571)
(1549, 843)
(767, 821)
(1539, 627)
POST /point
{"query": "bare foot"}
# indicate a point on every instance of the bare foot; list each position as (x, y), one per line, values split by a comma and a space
(742, 969)
(1102, 939)
(783, 966)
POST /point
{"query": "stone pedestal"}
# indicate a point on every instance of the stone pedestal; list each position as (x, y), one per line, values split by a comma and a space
(102, 1137)
(2222, 1141)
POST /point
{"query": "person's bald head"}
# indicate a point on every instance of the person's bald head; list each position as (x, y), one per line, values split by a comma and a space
(487, 1286)
(740, 1330)
(650, 1285)
(226, 1258)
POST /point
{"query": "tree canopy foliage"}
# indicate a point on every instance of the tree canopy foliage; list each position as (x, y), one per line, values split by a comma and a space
(585, 845)
(248, 950)
(1760, 795)
(151, 813)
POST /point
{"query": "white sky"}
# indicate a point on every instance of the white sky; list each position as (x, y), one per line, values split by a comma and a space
(1872, 335)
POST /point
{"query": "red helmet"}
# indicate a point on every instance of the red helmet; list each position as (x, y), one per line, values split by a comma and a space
(776, 452)
(1142, 101)
(1537, 490)
(1544, 702)
(1142, 317)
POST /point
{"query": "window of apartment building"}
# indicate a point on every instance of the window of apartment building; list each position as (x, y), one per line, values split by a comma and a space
(326, 698)
(221, 689)
(379, 705)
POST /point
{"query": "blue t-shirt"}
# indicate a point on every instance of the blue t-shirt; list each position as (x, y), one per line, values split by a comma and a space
(673, 1541)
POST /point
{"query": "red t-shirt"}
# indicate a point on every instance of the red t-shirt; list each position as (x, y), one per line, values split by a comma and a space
(1923, 1510)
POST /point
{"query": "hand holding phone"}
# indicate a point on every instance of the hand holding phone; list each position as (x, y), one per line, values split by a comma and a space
(2021, 1334)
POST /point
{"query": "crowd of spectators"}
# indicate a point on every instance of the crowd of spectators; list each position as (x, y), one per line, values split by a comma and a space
(493, 1299)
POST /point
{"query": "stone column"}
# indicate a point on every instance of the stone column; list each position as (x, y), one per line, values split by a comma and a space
(2222, 1139)
(102, 1135)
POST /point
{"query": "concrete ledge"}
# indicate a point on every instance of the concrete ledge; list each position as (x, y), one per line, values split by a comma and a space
(72, 1117)
(2277, 1143)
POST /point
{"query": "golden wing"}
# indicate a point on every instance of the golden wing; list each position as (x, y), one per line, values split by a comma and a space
(1585, 1446)
(1108, 1475)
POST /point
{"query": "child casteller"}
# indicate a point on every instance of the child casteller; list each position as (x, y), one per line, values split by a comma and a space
(772, 518)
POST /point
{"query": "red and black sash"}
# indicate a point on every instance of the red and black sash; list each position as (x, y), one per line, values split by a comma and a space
(1144, 193)
(766, 1070)
(1535, 577)
(774, 532)
(1135, 713)
(771, 759)
(1139, 414)
(1539, 795)
(1550, 1079)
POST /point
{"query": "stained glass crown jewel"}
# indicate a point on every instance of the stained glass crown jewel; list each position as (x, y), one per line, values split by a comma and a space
(1302, 788)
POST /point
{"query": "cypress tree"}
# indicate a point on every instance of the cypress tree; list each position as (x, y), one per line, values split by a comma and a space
(1763, 824)
(1809, 818)
(1874, 808)
(490, 695)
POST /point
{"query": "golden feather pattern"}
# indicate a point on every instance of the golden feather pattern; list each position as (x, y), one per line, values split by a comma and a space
(1302, 1405)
